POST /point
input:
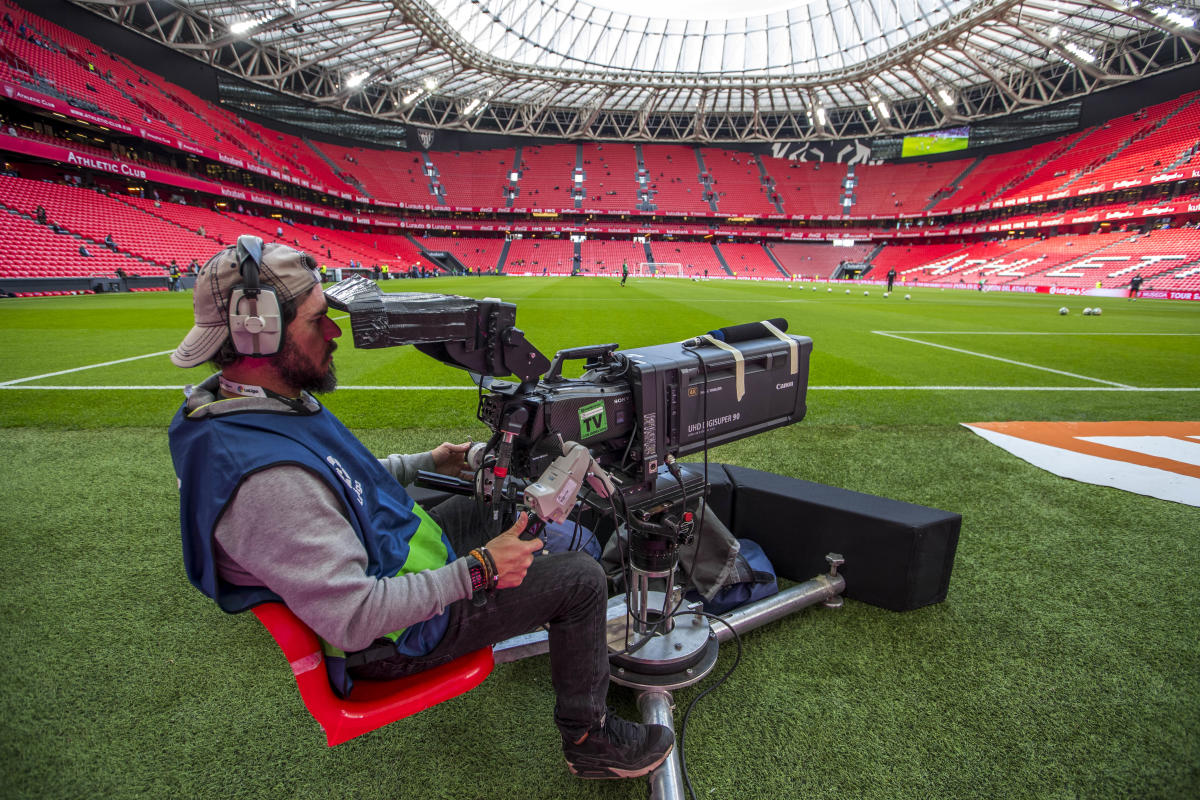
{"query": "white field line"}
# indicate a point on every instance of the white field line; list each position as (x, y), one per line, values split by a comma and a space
(1004, 360)
(1043, 333)
(9, 384)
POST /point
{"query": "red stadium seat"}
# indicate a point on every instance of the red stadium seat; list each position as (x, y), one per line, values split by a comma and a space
(375, 703)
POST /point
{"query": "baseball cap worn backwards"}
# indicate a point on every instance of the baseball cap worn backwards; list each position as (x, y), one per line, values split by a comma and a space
(289, 272)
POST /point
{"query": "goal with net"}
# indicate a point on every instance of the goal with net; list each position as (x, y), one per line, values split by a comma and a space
(661, 269)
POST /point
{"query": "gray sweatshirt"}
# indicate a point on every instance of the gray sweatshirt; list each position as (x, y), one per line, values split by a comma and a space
(285, 529)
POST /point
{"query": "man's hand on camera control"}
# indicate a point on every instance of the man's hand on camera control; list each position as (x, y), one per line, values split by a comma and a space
(451, 459)
(512, 554)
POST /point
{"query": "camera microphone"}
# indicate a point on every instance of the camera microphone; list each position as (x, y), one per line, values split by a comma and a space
(739, 333)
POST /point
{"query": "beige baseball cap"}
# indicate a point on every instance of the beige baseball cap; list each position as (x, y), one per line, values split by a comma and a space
(288, 271)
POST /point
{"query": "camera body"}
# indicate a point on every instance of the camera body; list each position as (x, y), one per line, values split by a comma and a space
(634, 408)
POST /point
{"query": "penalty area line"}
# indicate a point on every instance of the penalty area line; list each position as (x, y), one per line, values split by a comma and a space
(1003, 360)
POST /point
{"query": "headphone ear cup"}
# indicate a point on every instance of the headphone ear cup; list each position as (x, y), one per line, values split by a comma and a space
(255, 323)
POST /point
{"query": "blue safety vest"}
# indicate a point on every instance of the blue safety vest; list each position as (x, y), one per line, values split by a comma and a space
(213, 453)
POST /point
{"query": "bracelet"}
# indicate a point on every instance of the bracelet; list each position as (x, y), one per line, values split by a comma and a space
(493, 572)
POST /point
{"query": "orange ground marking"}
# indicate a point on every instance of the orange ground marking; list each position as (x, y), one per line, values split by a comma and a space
(1064, 435)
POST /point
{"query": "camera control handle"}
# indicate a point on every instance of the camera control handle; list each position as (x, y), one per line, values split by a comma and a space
(554, 374)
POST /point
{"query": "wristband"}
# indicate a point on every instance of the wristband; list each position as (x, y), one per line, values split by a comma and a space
(478, 575)
(489, 566)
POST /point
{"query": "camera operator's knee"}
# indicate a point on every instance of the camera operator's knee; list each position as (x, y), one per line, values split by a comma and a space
(579, 573)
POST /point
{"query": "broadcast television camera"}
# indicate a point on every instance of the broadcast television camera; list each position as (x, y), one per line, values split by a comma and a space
(617, 428)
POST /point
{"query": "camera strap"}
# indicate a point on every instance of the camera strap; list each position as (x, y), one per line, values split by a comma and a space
(793, 347)
(739, 363)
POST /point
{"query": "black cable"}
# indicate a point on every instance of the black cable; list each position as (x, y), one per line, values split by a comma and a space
(704, 449)
(683, 724)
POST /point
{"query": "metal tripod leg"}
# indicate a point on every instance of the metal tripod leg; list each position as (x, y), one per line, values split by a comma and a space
(666, 782)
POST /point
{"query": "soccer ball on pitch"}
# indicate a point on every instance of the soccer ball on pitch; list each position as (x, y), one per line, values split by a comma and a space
(1095, 312)
(885, 294)
(830, 289)
(908, 297)
(847, 291)
(1062, 312)
(865, 294)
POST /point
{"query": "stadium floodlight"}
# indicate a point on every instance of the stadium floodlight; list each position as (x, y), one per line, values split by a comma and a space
(881, 107)
(471, 106)
(243, 26)
(1171, 15)
(357, 79)
(1079, 52)
(946, 96)
(411, 96)
(430, 84)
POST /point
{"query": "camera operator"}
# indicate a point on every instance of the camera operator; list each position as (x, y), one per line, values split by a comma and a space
(279, 501)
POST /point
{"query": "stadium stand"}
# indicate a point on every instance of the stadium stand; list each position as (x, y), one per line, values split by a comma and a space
(892, 189)
(476, 178)
(30, 250)
(1162, 257)
(816, 260)
(694, 259)
(986, 179)
(546, 177)
(606, 256)
(910, 261)
(475, 253)
(808, 187)
(93, 216)
(673, 179)
(392, 177)
(737, 181)
(539, 257)
(616, 165)
(749, 261)
(1169, 140)
(1088, 151)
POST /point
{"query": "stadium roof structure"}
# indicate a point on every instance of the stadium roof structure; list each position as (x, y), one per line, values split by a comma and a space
(693, 72)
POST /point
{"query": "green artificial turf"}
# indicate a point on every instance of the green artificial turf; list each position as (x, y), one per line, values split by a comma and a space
(1063, 664)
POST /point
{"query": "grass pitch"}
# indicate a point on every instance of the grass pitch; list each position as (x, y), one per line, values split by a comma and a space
(1063, 664)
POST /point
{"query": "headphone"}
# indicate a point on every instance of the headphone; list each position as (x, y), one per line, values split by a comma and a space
(255, 322)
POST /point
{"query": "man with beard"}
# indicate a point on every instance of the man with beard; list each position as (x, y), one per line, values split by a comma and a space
(280, 502)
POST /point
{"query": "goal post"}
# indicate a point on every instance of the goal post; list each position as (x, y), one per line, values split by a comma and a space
(661, 269)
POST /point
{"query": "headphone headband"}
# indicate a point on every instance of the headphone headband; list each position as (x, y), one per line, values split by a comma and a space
(258, 329)
(249, 256)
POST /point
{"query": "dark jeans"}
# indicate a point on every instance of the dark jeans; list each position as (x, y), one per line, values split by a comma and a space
(567, 590)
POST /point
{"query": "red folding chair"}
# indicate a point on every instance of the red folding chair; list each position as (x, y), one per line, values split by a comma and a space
(375, 703)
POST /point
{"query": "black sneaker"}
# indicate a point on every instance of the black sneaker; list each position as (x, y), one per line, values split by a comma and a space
(617, 748)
